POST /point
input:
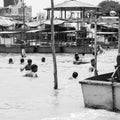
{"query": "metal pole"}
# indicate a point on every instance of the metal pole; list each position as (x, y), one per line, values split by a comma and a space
(95, 72)
(53, 46)
(23, 20)
(119, 36)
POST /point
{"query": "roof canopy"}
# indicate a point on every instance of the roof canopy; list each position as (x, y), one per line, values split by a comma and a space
(37, 30)
(33, 24)
(4, 21)
(72, 5)
(108, 19)
(55, 22)
(9, 32)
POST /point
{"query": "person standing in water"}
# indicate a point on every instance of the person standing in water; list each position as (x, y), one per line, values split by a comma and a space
(92, 68)
(23, 52)
(117, 67)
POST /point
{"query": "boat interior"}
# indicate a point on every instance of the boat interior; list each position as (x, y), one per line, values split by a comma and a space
(103, 77)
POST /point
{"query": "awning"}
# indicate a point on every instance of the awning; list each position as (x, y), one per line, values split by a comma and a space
(55, 22)
(33, 24)
(108, 19)
(4, 21)
(9, 32)
(32, 31)
(106, 33)
(72, 4)
(37, 30)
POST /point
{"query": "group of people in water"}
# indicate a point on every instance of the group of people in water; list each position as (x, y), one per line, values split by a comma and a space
(30, 69)
(99, 50)
(92, 68)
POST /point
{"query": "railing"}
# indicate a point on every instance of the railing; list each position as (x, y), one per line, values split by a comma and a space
(113, 75)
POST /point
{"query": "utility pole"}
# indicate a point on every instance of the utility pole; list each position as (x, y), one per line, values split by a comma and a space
(119, 36)
(53, 46)
(23, 20)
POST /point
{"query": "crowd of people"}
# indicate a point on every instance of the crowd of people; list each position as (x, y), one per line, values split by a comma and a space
(30, 68)
(92, 68)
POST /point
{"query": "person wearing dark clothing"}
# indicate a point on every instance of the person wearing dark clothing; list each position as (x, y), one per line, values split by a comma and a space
(117, 67)
(76, 56)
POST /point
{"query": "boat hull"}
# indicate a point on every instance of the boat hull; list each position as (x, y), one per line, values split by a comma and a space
(80, 62)
(100, 93)
(45, 49)
(10, 49)
(80, 49)
(15, 49)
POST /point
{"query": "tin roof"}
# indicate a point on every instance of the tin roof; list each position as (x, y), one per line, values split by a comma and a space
(72, 4)
(4, 21)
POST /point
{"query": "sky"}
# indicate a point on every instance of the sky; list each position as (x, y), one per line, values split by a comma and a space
(39, 5)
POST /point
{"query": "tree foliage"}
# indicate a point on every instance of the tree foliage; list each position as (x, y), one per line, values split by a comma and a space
(109, 5)
(41, 16)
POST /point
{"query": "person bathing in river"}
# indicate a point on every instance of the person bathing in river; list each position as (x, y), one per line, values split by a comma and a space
(31, 69)
(33, 72)
(92, 68)
(99, 49)
(10, 61)
(22, 61)
(28, 66)
(76, 56)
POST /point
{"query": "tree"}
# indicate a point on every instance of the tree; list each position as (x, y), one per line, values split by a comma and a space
(109, 5)
(41, 16)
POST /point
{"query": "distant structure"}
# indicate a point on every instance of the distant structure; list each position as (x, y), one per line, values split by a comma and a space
(14, 8)
(10, 2)
(72, 9)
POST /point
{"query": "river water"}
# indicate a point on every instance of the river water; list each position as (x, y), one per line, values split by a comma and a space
(24, 98)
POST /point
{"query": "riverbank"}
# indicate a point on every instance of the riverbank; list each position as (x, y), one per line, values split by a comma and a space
(46, 49)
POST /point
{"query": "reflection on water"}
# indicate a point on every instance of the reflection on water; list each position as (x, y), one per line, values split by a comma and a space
(24, 98)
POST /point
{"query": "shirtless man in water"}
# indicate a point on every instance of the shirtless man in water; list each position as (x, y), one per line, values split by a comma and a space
(28, 66)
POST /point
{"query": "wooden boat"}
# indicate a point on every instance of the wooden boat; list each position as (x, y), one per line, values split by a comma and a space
(100, 92)
(103, 91)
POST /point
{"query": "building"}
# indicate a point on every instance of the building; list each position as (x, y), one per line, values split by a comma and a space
(9, 2)
(16, 9)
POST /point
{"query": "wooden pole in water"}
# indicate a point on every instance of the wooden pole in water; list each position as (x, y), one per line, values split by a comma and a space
(53, 46)
(113, 88)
